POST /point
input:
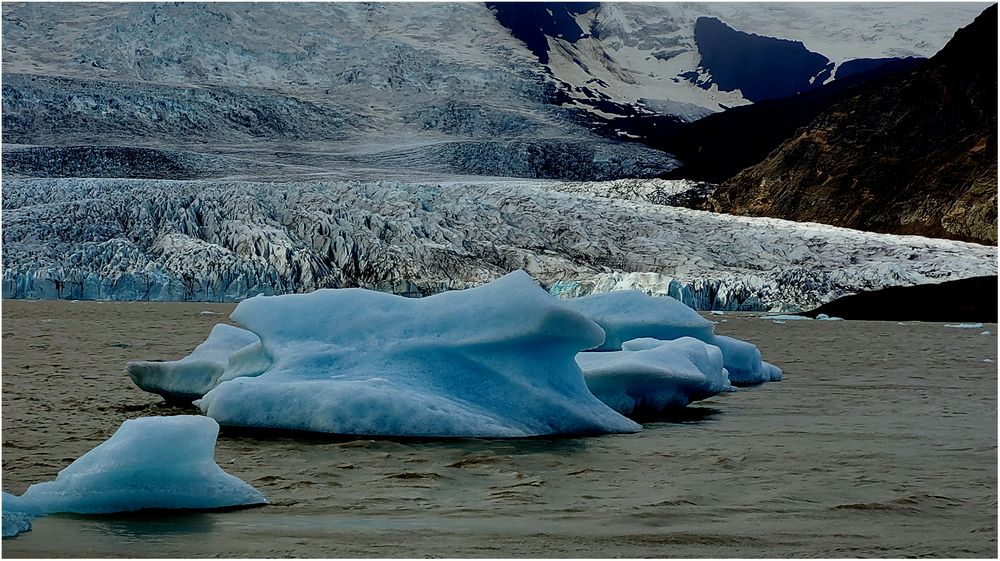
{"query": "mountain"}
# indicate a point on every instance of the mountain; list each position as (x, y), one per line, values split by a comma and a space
(717, 147)
(915, 155)
(212, 151)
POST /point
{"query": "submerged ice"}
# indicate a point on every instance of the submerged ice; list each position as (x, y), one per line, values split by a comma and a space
(492, 361)
(151, 462)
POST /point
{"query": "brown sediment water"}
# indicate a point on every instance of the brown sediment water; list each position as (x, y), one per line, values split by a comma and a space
(880, 442)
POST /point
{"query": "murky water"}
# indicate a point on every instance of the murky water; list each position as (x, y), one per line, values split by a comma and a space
(881, 441)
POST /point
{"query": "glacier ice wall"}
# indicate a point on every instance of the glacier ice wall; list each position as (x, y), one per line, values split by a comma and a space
(218, 240)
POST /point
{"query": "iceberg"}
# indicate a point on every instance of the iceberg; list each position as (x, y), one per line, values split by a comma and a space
(492, 361)
(187, 379)
(741, 359)
(150, 462)
(646, 383)
(630, 314)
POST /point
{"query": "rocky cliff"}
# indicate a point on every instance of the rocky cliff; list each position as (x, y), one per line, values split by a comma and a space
(918, 155)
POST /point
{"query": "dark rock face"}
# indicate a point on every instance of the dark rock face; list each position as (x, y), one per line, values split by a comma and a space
(973, 299)
(531, 22)
(861, 65)
(719, 146)
(916, 155)
(761, 67)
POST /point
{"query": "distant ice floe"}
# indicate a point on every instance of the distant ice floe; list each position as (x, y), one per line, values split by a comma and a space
(188, 379)
(965, 325)
(151, 462)
(491, 361)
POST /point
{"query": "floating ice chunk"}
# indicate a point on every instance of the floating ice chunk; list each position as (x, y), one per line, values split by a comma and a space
(492, 361)
(629, 314)
(717, 313)
(14, 522)
(647, 383)
(740, 358)
(208, 313)
(987, 360)
(987, 332)
(188, 379)
(151, 462)
(785, 317)
(824, 317)
(965, 325)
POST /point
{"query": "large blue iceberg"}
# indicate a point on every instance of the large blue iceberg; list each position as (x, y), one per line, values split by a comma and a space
(663, 378)
(492, 361)
(151, 462)
(189, 378)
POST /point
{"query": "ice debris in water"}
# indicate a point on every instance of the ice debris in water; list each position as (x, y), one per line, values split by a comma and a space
(14, 522)
(987, 332)
(630, 314)
(188, 379)
(491, 361)
(150, 462)
(781, 318)
(649, 382)
(824, 317)
(965, 325)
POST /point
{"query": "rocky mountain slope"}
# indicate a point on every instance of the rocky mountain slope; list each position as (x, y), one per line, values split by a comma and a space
(915, 155)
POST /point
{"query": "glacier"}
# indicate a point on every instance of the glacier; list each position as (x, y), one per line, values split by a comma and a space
(150, 462)
(647, 383)
(491, 361)
(187, 379)
(226, 240)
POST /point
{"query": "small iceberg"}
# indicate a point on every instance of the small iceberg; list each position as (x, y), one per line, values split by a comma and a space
(151, 462)
(965, 325)
(492, 361)
(740, 359)
(185, 380)
(629, 314)
(648, 382)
